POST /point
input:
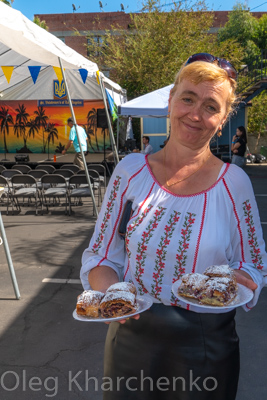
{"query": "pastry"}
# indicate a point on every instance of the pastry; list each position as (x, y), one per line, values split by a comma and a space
(218, 291)
(88, 303)
(220, 271)
(117, 304)
(122, 286)
(191, 285)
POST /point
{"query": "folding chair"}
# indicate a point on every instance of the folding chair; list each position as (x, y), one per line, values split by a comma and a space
(22, 168)
(2, 167)
(46, 167)
(95, 182)
(6, 197)
(58, 189)
(8, 173)
(71, 167)
(37, 174)
(29, 190)
(101, 169)
(81, 189)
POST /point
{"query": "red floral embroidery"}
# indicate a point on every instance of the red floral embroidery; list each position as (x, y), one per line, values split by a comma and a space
(161, 254)
(181, 255)
(109, 207)
(142, 247)
(252, 238)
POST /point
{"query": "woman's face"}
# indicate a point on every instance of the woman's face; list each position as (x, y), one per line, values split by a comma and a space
(238, 132)
(197, 112)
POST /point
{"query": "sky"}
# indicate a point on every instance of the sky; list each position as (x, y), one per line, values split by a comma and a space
(31, 7)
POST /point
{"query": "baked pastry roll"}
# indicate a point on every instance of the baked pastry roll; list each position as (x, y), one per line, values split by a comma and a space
(191, 285)
(218, 291)
(88, 303)
(220, 271)
(117, 304)
(122, 286)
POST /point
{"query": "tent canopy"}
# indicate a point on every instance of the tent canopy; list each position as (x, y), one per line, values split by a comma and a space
(154, 104)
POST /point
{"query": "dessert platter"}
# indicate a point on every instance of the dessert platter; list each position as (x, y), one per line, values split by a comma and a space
(119, 302)
(215, 288)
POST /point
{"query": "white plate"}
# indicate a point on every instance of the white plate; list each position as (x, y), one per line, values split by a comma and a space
(244, 295)
(143, 304)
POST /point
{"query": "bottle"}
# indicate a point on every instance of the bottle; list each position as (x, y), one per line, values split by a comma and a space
(55, 158)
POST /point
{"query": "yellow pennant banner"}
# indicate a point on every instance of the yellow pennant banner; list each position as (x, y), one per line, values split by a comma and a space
(58, 73)
(98, 77)
(8, 71)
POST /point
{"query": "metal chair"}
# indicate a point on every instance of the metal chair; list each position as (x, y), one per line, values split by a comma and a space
(67, 173)
(71, 167)
(37, 174)
(8, 173)
(6, 197)
(29, 190)
(101, 169)
(81, 189)
(95, 182)
(58, 189)
(2, 167)
(46, 167)
(22, 168)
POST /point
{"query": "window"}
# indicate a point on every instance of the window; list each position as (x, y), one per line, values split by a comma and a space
(93, 41)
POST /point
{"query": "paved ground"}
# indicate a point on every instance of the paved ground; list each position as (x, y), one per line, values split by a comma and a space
(45, 353)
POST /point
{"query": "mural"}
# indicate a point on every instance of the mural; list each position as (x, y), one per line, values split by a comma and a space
(27, 126)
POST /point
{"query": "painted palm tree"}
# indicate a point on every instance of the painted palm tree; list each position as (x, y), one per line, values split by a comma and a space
(92, 124)
(41, 121)
(89, 133)
(21, 121)
(52, 134)
(5, 120)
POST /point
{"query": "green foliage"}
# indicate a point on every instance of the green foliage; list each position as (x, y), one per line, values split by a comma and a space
(40, 23)
(248, 31)
(257, 116)
(7, 2)
(149, 54)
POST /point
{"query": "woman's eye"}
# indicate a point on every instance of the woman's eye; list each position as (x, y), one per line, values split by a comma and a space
(187, 100)
(211, 109)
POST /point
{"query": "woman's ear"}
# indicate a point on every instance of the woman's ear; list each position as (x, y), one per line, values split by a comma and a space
(169, 103)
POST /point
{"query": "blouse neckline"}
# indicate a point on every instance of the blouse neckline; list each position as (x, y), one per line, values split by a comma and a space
(221, 174)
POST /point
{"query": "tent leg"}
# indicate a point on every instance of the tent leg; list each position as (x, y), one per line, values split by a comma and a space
(78, 137)
(9, 260)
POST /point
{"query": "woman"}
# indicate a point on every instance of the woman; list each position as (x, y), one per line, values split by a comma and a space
(190, 211)
(238, 147)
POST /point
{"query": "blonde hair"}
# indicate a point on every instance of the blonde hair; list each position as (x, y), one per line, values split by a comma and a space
(202, 71)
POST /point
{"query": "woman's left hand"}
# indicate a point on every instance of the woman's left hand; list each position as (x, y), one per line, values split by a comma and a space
(245, 279)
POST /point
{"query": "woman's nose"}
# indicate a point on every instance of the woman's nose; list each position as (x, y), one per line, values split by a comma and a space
(195, 113)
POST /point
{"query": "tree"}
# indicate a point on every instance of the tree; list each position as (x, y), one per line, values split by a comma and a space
(257, 117)
(52, 133)
(7, 2)
(248, 31)
(148, 55)
(40, 23)
(41, 121)
(21, 122)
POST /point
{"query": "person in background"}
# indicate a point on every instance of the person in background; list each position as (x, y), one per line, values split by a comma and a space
(73, 140)
(148, 149)
(176, 350)
(238, 147)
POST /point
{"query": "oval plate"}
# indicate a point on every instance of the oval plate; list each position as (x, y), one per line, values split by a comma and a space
(143, 304)
(244, 295)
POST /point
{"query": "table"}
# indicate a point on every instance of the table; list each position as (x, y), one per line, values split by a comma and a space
(8, 256)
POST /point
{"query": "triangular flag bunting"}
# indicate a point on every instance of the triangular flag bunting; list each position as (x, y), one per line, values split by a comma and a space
(84, 74)
(7, 72)
(58, 73)
(34, 71)
(98, 77)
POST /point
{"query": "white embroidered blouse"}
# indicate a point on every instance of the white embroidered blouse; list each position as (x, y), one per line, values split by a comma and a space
(169, 235)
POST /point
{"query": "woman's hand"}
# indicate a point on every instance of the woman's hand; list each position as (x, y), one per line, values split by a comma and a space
(245, 279)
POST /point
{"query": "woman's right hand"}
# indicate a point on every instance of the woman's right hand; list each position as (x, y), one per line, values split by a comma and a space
(122, 321)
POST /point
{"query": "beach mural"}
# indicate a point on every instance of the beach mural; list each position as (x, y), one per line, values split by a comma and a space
(30, 126)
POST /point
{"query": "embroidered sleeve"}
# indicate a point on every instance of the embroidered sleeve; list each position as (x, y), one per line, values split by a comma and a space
(248, 247)
(106, 247)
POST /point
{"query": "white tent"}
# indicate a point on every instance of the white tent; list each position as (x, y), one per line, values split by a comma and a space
(153, 104)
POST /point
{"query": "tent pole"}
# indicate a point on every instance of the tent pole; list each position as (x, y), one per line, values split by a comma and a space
(78, 137)
(113, 144)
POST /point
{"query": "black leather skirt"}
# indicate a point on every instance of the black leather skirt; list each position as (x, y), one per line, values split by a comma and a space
(172, 354)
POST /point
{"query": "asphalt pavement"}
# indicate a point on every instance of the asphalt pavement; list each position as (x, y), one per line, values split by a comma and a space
(45, 353)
